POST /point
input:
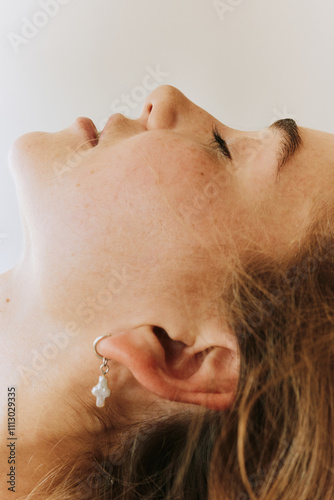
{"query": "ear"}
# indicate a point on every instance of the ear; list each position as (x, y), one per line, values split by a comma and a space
(201, 374)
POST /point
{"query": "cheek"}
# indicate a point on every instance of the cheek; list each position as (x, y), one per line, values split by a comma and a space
(125, 198)
(256, 174)
(147, 185)
(140, 206)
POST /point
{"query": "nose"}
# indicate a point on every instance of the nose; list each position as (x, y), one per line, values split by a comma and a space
(162, 108)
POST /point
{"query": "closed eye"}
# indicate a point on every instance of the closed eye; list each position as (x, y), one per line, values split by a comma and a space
(219, 143)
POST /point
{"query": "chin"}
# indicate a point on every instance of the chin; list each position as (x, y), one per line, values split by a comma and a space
(23, 148)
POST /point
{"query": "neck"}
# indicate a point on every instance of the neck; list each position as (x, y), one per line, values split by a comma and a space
(46, 353)
(13, 312)
(34, 350)
(23, 321)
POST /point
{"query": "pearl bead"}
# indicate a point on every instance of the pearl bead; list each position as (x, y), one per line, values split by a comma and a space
(101, 391)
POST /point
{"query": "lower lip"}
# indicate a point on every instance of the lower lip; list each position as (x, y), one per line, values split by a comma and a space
(89, 128)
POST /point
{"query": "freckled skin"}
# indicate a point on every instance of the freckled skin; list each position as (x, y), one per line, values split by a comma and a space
(135, 231)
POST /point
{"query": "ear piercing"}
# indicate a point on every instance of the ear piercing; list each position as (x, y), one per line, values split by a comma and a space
(101, 391)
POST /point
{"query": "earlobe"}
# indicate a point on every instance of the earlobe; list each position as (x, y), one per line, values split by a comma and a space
(208, 377)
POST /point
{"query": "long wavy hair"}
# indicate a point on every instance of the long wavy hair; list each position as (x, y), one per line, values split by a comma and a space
(277, 440)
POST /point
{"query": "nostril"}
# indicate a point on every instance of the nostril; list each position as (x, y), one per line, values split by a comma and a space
(145, 114)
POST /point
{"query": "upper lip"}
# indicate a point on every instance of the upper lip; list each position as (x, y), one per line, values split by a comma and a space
(110, 125)
(115, 124)
(107, 125)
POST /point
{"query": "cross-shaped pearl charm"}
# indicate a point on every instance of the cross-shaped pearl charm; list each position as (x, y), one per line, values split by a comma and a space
(101, 391)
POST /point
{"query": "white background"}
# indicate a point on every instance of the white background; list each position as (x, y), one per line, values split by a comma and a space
(248, 63)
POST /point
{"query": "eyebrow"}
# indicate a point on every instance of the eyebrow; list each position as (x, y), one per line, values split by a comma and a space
(291, 140)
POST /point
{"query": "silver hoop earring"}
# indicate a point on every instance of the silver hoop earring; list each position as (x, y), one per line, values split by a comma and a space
(101, 390)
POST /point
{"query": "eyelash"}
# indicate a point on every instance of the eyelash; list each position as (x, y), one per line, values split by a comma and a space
(219, 143)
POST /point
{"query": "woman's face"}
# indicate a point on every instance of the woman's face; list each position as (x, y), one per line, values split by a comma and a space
(136, 230)
(155, 206)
